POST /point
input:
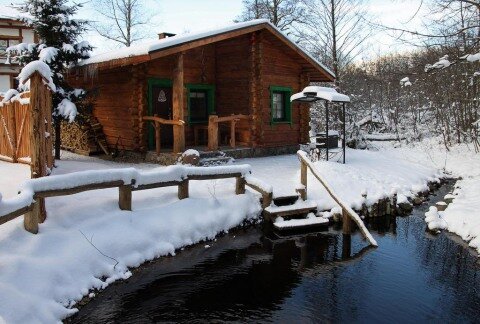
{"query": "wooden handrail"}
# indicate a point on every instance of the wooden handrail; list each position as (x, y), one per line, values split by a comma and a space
(232, 117)
(164, 121)
(347, 211)
(157, 122)
(213, 122)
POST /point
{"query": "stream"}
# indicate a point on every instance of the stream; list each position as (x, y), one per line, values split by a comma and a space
(253, 275)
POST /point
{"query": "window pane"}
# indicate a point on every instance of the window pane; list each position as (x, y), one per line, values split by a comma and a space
(278, 106)
(198, 106)
(3, 46)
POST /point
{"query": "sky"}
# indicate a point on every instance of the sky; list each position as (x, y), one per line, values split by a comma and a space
(180, 16)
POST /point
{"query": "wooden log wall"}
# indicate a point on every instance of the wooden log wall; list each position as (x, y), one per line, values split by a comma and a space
(280, 67)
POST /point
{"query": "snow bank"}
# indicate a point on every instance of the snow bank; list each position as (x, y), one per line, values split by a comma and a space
(463, 214)
(42, 275)
(40, 67)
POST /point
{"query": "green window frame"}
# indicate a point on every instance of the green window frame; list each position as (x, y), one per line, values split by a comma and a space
(210, 90)
(286, 93)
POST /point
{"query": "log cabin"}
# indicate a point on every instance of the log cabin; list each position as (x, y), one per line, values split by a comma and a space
(227, 88)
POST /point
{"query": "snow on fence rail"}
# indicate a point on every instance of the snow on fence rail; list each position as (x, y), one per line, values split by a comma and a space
(127, 180)
(347, 212)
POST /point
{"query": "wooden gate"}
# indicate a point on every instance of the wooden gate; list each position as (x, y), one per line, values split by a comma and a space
(16, 127)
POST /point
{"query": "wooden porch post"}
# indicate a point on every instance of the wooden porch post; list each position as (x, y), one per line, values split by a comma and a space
(212, 133)
(178, 105)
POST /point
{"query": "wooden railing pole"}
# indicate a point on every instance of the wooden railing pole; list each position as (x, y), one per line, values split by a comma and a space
(178, 104)
(183, 190)
(346, 222)
(213, 133)
(157, 136)
(232, 133)
(30, 219)
(240, 186)
(303, 177)
(267, 199)
(125, 197)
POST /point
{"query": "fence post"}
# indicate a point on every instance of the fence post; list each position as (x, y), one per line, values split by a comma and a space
(267, 200)
(38, 107)
(240, 186)
(30, 219)
(125, 197)
(183, 189)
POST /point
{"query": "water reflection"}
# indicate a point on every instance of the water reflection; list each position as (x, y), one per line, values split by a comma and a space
(257, 276)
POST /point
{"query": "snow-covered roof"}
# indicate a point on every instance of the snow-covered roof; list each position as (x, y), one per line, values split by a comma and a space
(8, 12)
(162, 44)
(313, 93)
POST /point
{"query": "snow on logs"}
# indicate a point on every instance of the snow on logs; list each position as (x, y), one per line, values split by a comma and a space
(127, 180)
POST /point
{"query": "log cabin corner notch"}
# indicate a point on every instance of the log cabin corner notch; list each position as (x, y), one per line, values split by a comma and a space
(224, 87)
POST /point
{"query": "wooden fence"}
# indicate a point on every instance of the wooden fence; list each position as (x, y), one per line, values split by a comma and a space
(31, 198)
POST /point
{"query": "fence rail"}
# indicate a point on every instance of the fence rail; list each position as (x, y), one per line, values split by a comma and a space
(126, 180)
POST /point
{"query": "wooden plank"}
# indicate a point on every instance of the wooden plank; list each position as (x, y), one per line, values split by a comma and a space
(78, 189)
(15, 214)
(214, 176)
(156, 185)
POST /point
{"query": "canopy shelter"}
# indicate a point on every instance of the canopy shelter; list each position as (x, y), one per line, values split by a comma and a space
(329, 96)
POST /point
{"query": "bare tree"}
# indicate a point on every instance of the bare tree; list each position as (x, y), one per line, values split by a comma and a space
(281, 13)
(335, 32)
(122, 20)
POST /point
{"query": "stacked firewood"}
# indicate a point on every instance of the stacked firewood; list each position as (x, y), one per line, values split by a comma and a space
(84, 138)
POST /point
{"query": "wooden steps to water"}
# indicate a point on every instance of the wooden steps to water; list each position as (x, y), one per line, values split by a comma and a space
(297, 224)
(292, 213)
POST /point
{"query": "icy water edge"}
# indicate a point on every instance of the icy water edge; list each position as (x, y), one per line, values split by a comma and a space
(255, 276)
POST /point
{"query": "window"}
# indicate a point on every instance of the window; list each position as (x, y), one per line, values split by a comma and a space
(6, 43)
(280, 104)
(198, 106)
(201, 102)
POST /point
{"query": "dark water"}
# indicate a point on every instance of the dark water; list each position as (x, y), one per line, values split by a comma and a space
(255, 276)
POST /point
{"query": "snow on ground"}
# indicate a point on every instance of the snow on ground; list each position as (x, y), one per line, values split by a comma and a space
(461, 217)
(379, 174)
(45, 273)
